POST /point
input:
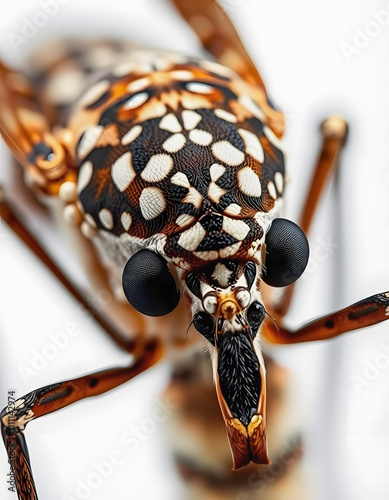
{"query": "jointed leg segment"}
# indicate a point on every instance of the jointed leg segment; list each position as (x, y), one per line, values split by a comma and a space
(56, 396)
(136, 321)
(219, 37)
(334, 133)
(366, 312)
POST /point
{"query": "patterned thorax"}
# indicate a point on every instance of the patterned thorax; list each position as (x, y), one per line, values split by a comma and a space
(171, 149)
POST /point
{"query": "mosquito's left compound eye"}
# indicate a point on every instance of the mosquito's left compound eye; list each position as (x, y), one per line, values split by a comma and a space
(148, 284)
(287, 252)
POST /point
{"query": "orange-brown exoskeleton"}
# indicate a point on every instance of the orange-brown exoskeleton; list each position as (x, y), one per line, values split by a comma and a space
(171, 172)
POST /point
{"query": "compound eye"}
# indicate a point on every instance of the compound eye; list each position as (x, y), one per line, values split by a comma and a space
(287, 252)
(148, 284)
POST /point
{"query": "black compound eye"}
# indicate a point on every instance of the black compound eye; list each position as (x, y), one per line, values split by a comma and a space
(287, 252)
(255, 316)
(205, 325)
(148, 284)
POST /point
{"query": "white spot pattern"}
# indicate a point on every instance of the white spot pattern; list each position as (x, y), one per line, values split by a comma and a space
(225, 115)
(200, 137)
(208, 255)
(122, 171)
(131, 135)
(136, 100)
(89, 140)
(157, 168)
(199, 88)
(126, 220)
(182, 74)
(84, 175)
(192, 237)
(249, 182)
(243, 298)
(184, 219)
(170, 123)
(214, 67)
(106, 218)
(272, 190)
(272, 137)
(174, 143)
(191, 119)
(180, 179)
(216, 171)
(95, 92)
(152, 202)
(230, 250)
(215, 192)
(253, 145)
(279, 181)
(193, 197)
(226, 152)
(236, 228)
(137, 85)
(233, 209)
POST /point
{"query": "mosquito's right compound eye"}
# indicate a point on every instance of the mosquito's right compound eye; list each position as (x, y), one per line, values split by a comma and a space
(148, 284)
(287, 252)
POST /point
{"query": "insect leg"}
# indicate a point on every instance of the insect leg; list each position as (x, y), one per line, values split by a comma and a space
(366, 312)
(121, 317)
(334, 134)
(220, 38)
(56, 396)
(26, 131)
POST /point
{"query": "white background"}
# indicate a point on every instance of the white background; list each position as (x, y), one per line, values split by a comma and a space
(298, 47)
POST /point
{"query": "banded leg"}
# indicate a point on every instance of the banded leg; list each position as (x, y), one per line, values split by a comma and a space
(51, 398)
(366, 312)
(334, 133)
(121, 316)
(220, 38)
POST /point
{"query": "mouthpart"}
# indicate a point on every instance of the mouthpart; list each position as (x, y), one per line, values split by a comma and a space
(241, 391)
